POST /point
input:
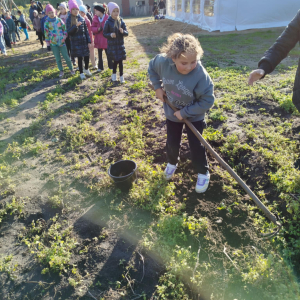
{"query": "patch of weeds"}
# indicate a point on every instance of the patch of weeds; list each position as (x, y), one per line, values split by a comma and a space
(53, 247)
(14, 207)
(6, 266)
(217, 115)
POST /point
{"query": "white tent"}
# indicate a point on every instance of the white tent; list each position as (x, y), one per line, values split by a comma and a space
(229, 15)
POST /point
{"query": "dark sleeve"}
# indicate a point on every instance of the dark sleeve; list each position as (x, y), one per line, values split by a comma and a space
(123, 26)
(86, 31)
(106, 32)
(89, 17)
(283, 45)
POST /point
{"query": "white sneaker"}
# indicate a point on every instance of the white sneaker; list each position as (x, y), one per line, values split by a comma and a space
(114, 77)
(169, 171)
(122, 80)
(94, 67)
(87, 72)
(82, 76)
(202, 182)
(99, 70)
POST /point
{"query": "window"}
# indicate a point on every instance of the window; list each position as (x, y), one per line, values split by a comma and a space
(196, 6)
(140, 3)
(173, 5)
(179, 5)
(209, 8)
(187, 6)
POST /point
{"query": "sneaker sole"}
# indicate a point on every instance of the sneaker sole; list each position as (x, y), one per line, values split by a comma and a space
(202, 191)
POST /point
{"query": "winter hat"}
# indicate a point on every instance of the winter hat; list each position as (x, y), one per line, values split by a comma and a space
(63, 4)
(35, 11)
(100, 8)
(73, 4)
(49, 8)
(83, 9)
(111, 6)
(79, 2)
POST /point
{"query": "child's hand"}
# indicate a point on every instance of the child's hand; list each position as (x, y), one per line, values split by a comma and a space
(121, 30)
(255, 75)
(160, 93)
(78, 23)
(113, 35)
(177, 114)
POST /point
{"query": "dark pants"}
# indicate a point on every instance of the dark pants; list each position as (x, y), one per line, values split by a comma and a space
(198, 153)
(40, 36)
(7, 40)
(115, 65)
(86, 63)
(17, 32)
(68, 44)
(100, 60)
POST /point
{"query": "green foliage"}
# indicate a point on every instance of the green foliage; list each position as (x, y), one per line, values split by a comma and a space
(14, 207)
(53, 247)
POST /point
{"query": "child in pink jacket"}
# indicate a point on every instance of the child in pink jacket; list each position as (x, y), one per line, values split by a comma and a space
(99, 20)
(82, 12)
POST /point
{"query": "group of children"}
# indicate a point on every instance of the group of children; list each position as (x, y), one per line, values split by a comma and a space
(71, 34)
(176, 73)
(10, 29)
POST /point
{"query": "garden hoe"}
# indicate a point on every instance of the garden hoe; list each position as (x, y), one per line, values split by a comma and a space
(265, 210)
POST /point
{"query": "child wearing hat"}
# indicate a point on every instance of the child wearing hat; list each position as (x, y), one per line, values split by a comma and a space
(83, 13)
(80, 38)
(37, 26)
(100, 41)
(114, 31)
(55, 36)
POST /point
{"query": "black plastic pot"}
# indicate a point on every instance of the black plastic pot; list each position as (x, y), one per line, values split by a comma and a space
(123, 173)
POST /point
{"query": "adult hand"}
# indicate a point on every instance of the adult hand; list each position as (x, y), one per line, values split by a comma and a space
(160, 93)
(121, 30)
(255, 75)
(177, 114)
(113, 35)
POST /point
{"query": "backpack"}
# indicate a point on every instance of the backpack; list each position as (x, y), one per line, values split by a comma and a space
(39, 6)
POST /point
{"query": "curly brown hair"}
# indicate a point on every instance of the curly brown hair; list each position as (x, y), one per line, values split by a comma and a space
(179, 43)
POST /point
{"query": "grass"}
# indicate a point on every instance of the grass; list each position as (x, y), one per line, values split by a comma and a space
(81, 128)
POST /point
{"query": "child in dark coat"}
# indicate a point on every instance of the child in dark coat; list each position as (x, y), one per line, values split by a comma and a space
(11, 27)
(37, 27)
(80, 38)
(115, 30)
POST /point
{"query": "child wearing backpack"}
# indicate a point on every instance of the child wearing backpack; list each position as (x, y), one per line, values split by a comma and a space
(114, 31)
(100, 41)
(188, 87)
(37, 26)
(23, 24)
(55, 36)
